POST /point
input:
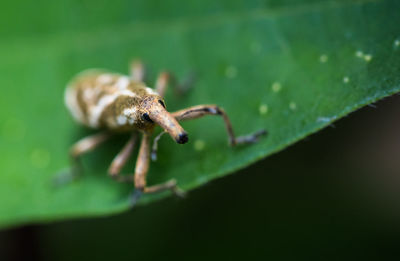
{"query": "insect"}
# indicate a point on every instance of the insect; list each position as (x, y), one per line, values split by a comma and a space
(115, 103)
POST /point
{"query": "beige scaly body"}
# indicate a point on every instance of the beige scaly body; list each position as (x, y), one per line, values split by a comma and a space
(116, 103)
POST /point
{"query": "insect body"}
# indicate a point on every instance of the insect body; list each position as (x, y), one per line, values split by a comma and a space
(116, 103)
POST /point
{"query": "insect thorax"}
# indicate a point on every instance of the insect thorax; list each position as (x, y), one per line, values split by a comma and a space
(100, 99)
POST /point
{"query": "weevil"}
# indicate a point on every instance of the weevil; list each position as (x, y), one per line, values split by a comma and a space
(114, 103)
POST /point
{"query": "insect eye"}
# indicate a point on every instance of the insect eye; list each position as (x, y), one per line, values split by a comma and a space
(146, 117)
(161, 102)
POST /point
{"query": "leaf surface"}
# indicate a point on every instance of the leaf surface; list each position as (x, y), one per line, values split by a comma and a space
(291, 67)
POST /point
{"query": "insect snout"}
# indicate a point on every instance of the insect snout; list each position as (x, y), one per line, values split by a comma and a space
(157, 113)
(182, 138)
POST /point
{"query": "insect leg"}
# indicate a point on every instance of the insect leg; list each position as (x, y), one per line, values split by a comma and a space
(142, 167)
(162, 83)
(137, 71)
(85, 145)
(171, 185)
(142, 163)
(88, 143)
(120, 160)
(202, 110)
(180, 88)
(79, 148)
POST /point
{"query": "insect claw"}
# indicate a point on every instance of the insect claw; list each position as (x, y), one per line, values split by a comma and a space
(252, 138)
(178, 192)
(154, 155)
(134, 197)
(186, 84)
(65, 177)
(259, 134)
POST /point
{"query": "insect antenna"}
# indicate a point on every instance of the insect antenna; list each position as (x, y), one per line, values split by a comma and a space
(155, 146)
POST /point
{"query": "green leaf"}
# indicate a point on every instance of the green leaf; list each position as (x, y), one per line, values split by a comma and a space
(292, 67)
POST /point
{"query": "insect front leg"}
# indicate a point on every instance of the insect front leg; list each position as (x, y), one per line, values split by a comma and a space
(120, 160)
(202, 110)
(142, 167)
